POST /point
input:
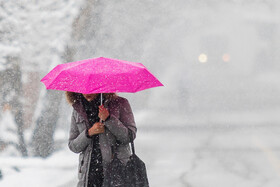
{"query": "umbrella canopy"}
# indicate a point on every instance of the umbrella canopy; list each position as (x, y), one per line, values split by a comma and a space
(100, 75)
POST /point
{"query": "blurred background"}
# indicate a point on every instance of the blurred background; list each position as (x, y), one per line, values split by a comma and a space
(214, 123)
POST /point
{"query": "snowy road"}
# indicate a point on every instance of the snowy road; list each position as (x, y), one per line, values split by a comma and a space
(202, 156)
(213, 157)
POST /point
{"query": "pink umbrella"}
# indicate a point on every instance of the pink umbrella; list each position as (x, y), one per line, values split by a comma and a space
(100, 75)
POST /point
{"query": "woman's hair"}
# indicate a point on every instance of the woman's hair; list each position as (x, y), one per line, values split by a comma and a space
(72, 97)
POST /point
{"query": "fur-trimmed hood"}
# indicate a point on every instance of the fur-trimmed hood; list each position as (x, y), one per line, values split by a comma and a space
(73, 97)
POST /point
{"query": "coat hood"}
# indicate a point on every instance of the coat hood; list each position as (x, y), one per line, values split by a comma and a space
(73, 97)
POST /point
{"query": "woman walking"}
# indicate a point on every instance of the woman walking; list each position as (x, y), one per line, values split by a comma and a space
(95, 129)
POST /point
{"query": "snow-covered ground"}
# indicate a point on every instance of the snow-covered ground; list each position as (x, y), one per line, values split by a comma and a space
(246, 157)
(54, 171)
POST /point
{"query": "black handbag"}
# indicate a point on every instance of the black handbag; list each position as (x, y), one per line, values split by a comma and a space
(133, 174)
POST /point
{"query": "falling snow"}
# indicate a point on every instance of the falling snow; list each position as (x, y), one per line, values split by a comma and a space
(214, 123)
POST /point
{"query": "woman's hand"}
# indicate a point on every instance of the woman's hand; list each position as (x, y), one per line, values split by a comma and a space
(97, 128)
(103, 113)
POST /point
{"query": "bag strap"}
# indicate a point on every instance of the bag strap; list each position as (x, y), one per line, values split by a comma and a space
(131, 141)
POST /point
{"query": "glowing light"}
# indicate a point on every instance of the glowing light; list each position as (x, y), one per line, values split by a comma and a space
(202, 58)
(226, 57)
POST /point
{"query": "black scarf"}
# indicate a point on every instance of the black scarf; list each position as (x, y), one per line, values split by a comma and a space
(91, 108)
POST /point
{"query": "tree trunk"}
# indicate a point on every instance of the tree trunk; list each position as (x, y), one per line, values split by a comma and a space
(43, 135)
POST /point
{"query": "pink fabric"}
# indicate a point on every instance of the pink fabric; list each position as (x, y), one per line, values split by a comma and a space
(100, 75)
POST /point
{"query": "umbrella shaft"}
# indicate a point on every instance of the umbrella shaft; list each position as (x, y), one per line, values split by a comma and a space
(101, 104)
(101, 98)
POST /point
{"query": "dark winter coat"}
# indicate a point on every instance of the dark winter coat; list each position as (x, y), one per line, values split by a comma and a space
(116, 129)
